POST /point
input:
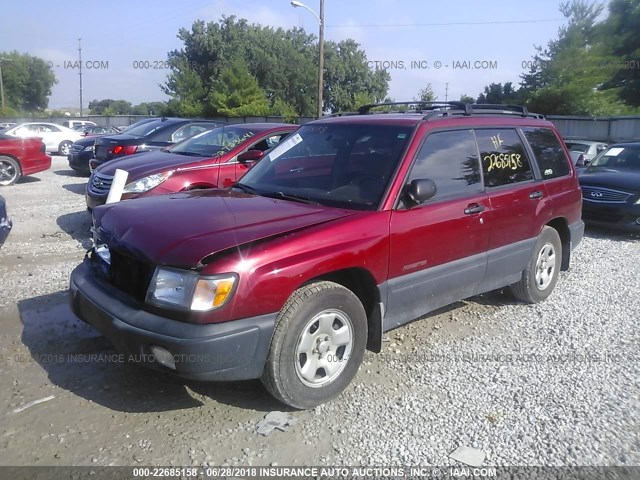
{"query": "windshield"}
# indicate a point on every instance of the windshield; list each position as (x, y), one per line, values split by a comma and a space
(145, 129)
(339, 165)
(619, 157)
(214, 142)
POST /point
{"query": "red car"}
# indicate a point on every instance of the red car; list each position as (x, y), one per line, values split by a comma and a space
(216, 158)
(352, 226)
(21, 157)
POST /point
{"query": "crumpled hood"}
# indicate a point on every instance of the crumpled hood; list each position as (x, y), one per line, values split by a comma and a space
(181, 229)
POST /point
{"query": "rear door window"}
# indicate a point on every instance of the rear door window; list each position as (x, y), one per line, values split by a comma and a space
(503, 157)
(548, 151)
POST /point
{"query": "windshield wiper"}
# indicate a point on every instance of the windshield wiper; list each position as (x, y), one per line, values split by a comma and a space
(187, 154)
(288, 196)
(245, 188)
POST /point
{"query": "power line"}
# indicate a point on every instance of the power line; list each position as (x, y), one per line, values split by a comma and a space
(446, 24)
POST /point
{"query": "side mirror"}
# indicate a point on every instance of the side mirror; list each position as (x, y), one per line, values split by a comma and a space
(250, 156)
(420, 190)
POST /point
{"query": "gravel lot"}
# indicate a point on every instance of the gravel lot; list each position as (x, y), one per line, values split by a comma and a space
(552, 384)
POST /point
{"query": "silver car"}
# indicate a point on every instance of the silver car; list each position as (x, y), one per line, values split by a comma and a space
(588, 149)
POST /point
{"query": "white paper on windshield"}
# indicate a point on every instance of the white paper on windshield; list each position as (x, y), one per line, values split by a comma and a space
(285, 146)
(614, 152)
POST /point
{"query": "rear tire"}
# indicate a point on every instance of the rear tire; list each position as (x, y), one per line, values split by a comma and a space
(9, 171)
(541, 274)
(317, 346)
(64, 148)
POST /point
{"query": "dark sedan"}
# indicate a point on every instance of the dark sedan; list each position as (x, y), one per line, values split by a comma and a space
(92, 130)
(611, 188)
(5, 221)
(155, 135)
(82, 151)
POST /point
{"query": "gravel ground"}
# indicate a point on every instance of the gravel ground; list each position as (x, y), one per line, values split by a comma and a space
(552, 384)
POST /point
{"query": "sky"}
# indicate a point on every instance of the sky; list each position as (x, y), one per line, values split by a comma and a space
(458, 46)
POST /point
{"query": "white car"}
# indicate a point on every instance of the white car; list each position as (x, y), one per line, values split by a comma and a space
(587, 149)
(76, 123)
(58, 139)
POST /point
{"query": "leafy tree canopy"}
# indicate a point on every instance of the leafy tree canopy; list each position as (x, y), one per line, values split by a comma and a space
(27, 81)
(282, 62)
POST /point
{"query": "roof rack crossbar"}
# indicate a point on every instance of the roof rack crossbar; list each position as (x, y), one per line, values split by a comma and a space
(498, 106)
(363, 110)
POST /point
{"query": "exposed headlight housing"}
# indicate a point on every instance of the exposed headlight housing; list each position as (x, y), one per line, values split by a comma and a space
(186, 290)
(147, 183)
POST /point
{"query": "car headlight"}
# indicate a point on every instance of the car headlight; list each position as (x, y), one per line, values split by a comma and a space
(147, 183)
(638, 202)
(185, 290)
(88, 148)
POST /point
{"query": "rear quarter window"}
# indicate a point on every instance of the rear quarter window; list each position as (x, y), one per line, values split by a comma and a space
(548, 151)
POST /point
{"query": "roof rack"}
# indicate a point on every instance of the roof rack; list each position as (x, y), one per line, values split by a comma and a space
(365, 109)
(449, 109)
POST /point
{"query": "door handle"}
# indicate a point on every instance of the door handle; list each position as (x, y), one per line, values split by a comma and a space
(535, 195)
(473, 208)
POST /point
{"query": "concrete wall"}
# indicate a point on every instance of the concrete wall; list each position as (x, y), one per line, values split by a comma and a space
(610, 129)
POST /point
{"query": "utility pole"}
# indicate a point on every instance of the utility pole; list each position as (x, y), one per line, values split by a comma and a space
(80, 62)
(446, 92)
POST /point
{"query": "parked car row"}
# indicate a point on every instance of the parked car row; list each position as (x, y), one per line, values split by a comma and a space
(213, 158)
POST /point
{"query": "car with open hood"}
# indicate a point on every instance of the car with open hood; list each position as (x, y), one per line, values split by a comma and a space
(611, 188)
(352, 226)
(214, 158)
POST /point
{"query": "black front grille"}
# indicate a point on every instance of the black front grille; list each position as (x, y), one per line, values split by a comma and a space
(75, 148)
(99, 184)
(600, 194)
(130, 275)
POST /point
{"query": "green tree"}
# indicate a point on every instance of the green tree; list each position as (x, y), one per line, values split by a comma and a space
(27, 81)
(283, 62)
(498, 93)
(566, 77)
(427, 94)
(237, 93)
(622, 36)
(150, 108)
(109, 106)
(467, 98)
(285, 110)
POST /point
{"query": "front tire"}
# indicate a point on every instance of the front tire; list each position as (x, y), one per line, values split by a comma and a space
(541, 275)
(64, 148)
(9, 171)
(317, 346)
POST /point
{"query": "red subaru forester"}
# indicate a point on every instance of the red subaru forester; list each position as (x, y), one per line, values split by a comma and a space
(354, 225)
